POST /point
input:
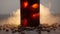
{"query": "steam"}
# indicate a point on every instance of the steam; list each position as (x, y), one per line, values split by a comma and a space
(45, 16)
(13, 19)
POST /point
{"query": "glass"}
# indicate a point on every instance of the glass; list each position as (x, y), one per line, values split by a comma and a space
(30, 13)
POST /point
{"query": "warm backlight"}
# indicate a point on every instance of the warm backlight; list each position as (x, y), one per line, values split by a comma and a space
(35, 5)
(24, 22)
(25, 4)
(36, 15)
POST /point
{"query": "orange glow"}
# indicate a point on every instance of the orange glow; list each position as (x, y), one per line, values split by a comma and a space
(24, 22)
(25, 4)
(35, 15)
(35, 5)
